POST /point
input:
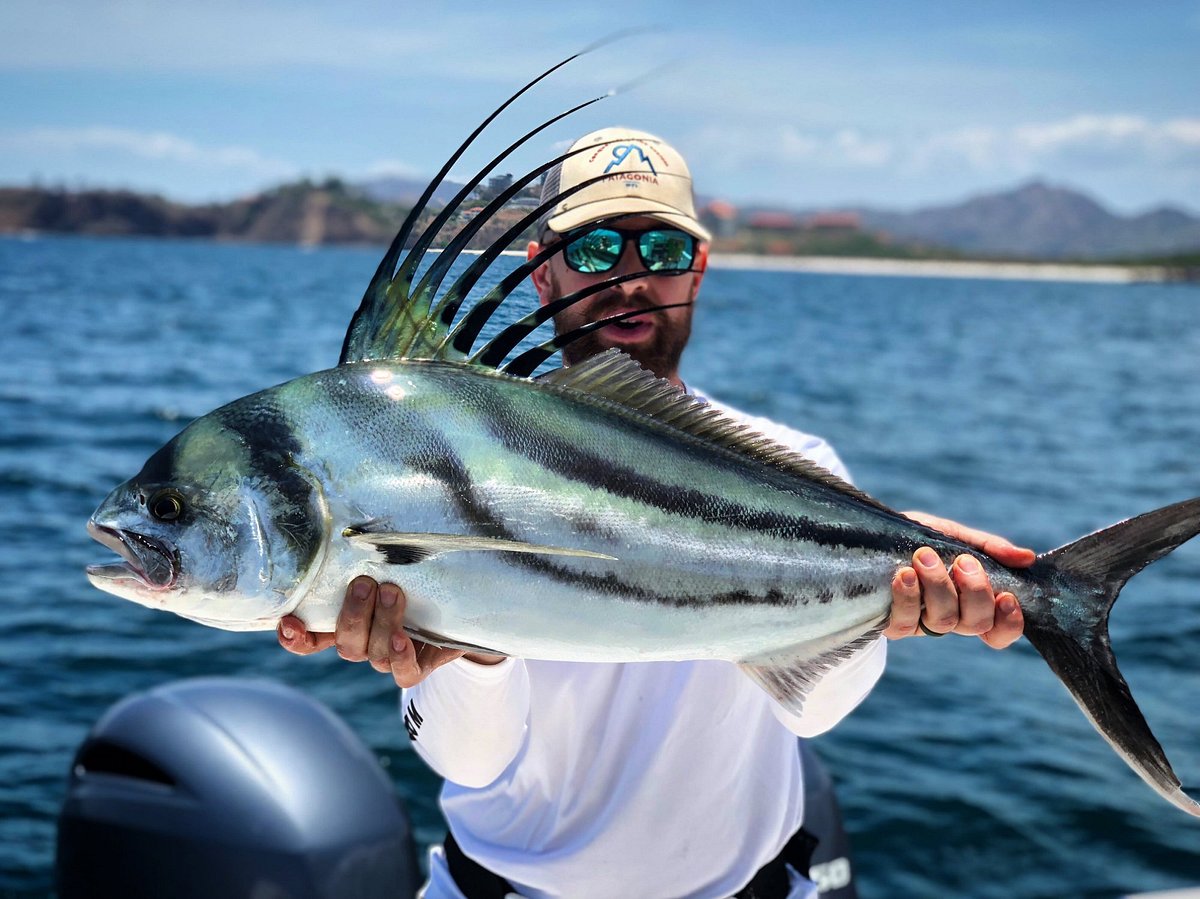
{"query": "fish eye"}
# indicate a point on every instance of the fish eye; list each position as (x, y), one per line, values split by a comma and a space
(166, 505)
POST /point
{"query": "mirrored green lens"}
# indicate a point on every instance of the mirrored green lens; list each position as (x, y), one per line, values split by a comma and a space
(596, 251)
(663, 250)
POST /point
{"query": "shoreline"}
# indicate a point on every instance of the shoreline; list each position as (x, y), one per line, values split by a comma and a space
(952, 268)
(1100, 273)
(860, 266)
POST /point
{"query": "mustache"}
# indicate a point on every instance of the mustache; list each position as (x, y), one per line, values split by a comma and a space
(610, 303)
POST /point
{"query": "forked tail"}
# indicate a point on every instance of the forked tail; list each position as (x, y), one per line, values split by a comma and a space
(1069, 627)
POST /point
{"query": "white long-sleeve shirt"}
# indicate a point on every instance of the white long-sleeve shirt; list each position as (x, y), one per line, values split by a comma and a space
(635, 779)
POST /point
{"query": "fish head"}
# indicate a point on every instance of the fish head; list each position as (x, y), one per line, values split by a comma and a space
(213, 528)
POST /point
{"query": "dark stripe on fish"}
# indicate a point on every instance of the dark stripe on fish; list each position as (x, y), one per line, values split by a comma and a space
(442, 463)
(159, 468)
(271, 446)
(577, 464)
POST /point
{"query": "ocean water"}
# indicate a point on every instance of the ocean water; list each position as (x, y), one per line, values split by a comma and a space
(1042, 411)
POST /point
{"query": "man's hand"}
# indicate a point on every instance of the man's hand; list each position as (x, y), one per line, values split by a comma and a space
(959, 600)
(370, 627)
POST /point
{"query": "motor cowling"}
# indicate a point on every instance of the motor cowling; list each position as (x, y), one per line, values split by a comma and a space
(227, 787)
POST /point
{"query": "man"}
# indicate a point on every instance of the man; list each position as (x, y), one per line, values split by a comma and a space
(650, 779)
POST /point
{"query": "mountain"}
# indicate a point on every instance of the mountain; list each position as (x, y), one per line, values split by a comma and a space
(100, 212)
(301, 212)
(1033, 221)
(406, 191)
(331, 212)
(1038, 220)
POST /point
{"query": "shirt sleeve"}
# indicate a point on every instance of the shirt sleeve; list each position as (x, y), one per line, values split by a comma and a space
(468, 721)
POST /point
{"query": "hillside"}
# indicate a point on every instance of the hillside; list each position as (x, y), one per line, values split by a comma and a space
(1035, 221)
(1041, 221)
(302, 212)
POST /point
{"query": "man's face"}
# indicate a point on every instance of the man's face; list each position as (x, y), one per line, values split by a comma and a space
(656, 340)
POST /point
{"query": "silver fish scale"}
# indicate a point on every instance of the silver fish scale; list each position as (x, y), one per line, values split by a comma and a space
(430, 448)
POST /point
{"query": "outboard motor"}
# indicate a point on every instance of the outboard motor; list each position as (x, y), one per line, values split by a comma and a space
(224, 787)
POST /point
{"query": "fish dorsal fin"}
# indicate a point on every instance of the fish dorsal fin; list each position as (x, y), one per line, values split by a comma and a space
(397, 319)
(616, 377)
(402, 314)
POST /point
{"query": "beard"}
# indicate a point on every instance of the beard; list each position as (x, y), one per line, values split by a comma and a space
(660, 355)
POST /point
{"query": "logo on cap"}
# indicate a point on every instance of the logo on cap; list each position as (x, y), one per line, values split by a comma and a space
(620, 153)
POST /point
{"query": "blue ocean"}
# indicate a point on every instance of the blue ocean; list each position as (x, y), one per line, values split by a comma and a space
(1039, 410)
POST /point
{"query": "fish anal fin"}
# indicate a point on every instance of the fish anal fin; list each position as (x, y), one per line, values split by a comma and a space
(405, 549)
(788, 675)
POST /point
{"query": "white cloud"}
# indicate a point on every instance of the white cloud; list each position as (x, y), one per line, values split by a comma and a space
(392, 168)
(157, 146)
(1091, 140)
(233, 35)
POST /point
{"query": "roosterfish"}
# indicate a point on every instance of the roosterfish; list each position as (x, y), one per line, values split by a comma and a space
(594, 513)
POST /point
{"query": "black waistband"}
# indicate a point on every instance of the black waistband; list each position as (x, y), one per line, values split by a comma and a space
(473, 879)
(770, 882)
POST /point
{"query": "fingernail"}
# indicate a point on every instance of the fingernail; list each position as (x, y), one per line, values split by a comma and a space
(968, 564)
(288, 633)
(908, 578)
(928, 558)
(362, 589)
(387, 597)
(397, 643)
(1007, 605)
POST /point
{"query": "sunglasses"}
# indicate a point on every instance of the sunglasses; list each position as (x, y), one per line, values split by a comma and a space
(660, 249)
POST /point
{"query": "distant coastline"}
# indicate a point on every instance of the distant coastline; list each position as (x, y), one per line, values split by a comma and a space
(826, 265)
(958, 268)
(335, 213)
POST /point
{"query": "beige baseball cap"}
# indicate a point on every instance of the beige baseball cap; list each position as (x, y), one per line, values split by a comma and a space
(647, 177)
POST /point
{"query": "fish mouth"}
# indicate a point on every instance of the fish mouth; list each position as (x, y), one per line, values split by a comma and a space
(150, 562)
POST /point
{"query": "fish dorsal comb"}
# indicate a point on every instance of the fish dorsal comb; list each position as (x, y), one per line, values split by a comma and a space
(405, 313)
(616, 377)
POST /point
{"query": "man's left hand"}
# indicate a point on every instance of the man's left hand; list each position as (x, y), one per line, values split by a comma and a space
(960, 599)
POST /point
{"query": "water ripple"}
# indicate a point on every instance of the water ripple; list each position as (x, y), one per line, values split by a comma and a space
(1039, 410)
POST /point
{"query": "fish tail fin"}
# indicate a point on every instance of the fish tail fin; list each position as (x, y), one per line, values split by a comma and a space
(1071, 633)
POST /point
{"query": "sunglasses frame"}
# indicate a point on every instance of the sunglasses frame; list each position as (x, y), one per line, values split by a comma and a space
(634, 235)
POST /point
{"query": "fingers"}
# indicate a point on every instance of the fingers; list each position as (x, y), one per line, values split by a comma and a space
(354, 621)
(295, 637)
(938, 592)
(906, 605)
(389, 621)
(999, 548)
(1009, 624)
(956, 600)
(390, 648)
(370, 627)
(413, 661)
(976, 602)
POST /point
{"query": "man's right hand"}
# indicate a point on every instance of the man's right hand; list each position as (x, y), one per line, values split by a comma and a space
(370, 627)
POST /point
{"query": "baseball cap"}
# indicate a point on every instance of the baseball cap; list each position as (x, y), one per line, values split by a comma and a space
(647, 177)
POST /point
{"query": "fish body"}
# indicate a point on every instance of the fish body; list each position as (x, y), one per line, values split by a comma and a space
(593, 514)
(674, 547)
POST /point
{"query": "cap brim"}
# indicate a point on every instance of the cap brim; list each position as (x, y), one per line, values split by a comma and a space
(599, 209)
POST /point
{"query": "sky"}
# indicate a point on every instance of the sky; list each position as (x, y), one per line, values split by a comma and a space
(802, 105)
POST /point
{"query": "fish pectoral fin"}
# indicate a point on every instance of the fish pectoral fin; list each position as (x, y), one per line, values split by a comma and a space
(447, 643)
(406, 549)
(789, 674)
